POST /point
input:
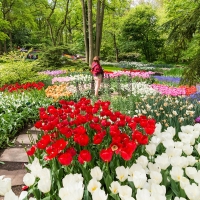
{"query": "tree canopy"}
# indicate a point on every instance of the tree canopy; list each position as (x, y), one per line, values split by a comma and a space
(157, 30)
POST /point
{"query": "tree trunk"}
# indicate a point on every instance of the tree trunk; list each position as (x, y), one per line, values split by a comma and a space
(116, 49)
(85, 30)
(99, 25)
(5, 47)
(90, 30)
(11, 43)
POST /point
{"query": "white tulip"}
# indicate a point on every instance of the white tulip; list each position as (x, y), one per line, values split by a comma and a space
(114, 187)
(162, 161)
(99, 195)
(172, 152)
(128, 198)
(143, 194)
(150, 149)
(154, 167)
(156, 177)
(96, 173)
(191, 172)
(198, 148)
(23, 195)
(29, 179)
(125, 191)
(181, 198)
(186, 138)
(197, 128)
(172, 131)
(187, 128)
(139, 179)
(191, 160)
(65, 195)
(167, 143)
(156, 196)
(74, 192)
(10, 195)
(158, 189)
(134, 168)
(143, 161)
(44, 185)
(122, 173)
(32, 198)
(178, 144)
(185, 161)
(187, 149)
(70, 179)
(5, 184)
(34, 167)
(155, 140)
(44, 173)
(197, 177)
(179, 161)
(93, 185)
(158, 128)
(184, 182)
(192, 192)
(176, 173)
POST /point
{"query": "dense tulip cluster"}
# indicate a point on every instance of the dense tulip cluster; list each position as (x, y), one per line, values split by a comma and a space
(77, 129)
(21, 87)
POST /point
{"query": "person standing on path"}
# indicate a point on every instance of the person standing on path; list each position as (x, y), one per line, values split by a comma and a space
(98, 73)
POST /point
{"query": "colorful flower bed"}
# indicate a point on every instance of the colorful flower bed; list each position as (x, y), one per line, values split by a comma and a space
(93, 151)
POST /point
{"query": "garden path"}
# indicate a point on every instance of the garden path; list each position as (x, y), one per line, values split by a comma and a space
(15, 157)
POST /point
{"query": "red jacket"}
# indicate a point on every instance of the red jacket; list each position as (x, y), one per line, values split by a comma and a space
(96, 69)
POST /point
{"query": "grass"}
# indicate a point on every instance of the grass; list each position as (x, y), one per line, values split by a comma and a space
(111, 68)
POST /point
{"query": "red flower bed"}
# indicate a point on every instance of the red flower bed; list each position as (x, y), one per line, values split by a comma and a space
(21, 87)
(80, 131)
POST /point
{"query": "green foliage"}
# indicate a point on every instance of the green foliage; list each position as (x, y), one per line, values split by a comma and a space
(4, 26)
(18, 110)
(131, 56)
(17, 70)
(181, 27)
(53, 57)
(191, 74)
(176, 72)
(140, 28)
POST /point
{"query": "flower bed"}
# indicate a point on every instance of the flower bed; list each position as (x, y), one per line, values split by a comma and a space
(79, 137)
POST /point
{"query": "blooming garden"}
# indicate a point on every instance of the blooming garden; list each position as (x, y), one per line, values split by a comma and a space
(139, 141)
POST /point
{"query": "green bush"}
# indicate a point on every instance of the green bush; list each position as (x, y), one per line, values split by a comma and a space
(53, 57)
(17, 70)
(131, 56)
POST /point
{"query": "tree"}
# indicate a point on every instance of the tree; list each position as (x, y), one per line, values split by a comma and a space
(140, 29)
(90, 30)
(114, 12)
(183, 26)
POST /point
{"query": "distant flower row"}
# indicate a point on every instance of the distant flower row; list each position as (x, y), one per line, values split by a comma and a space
(53, 73)
(21, 87)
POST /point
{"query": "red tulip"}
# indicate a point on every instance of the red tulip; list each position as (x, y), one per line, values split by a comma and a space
(71, 150)
(149, 130)
(43, 142)
(31, 151)
(98, 138)
(84, 156)
(106, 155)
(65, 158)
